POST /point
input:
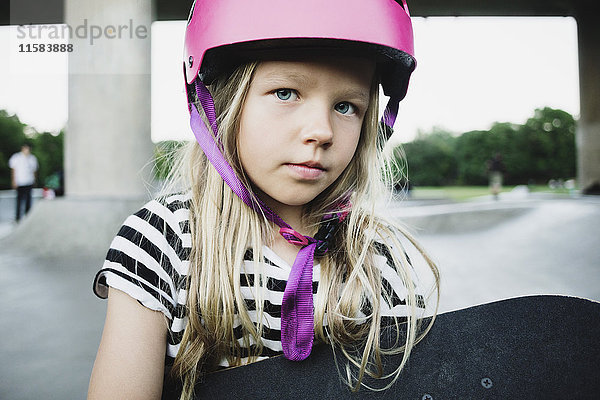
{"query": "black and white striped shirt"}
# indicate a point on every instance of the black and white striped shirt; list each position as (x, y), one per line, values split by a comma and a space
(149, 260)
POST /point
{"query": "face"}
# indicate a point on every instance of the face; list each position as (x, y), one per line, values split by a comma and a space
(300, 125)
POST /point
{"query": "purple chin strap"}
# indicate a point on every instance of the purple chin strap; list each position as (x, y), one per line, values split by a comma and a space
(297, 314)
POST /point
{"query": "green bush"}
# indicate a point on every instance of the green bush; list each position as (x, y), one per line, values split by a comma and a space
(431, 160)
(163, 157)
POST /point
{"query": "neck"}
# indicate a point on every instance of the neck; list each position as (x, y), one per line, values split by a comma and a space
(292, 215)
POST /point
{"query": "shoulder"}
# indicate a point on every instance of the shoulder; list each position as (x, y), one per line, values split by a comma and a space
(161, 226)
(169, 206)
(398, 275)
(386, 241)
(149, 256)
(14, 158)
(390, 258)
(167, 214)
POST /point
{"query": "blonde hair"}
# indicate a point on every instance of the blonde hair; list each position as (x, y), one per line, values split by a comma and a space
(223, 228)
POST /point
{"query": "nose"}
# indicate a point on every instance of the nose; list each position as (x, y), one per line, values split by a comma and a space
(318, 127)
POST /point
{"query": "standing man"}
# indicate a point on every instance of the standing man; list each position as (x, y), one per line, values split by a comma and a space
(23, 167)
(496, 171)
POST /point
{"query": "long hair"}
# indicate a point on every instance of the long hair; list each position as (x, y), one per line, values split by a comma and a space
(350, 287)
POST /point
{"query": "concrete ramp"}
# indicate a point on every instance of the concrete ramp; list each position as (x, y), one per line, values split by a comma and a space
(544, 247)
(66, 227)
(460, 217)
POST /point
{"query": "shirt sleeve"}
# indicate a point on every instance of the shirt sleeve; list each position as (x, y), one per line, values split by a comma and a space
(11, 161)
(145, 259)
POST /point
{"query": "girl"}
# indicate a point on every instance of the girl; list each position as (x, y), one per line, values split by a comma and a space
(267, 237)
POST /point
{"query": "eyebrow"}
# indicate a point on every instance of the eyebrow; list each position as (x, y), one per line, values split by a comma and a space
(277, 77)
(357, 94)
(280, 77)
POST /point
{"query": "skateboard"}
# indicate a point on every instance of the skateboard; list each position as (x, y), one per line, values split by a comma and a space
(534, 347)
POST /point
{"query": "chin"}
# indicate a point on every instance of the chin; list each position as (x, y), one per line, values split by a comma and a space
(294, 200)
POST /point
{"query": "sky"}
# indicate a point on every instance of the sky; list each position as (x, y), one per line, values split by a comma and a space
(471, 72)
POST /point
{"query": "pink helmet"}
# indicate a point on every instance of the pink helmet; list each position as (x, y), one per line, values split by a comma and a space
(222, 33)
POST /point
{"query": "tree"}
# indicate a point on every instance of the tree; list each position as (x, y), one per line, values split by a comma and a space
(472, 151)
(541, 149)
(548, 139)
(164, 157)
(431, 160)
(49, 150)
(476, 148)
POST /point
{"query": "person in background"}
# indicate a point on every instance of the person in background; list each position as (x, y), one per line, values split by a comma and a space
(23, 166)
(496, 173)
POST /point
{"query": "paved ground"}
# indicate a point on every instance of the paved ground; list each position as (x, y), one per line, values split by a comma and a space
(551, 248)
(51, 324)
(51, 321)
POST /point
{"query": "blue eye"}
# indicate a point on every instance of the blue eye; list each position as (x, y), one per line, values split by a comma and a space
(345, 108)
(284, 94)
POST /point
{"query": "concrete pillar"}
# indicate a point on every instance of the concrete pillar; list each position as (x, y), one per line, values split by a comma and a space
(588, 130)
(107, 142)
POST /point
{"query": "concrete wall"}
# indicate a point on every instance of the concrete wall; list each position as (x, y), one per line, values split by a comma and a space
(107, 142)
(588, 130)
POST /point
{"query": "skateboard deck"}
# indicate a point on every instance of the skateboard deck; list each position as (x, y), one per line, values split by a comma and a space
(534, 347)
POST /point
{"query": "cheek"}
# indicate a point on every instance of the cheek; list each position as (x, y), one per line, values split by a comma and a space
(348, 149)
(245, 150)
(242, 142)
(255, 153)
(256, 126)
(246, 138)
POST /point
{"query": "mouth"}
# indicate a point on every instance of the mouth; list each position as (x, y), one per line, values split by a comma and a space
(310, 164)
(309, 170)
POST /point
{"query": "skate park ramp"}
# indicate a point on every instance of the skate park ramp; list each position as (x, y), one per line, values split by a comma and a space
(513, 248)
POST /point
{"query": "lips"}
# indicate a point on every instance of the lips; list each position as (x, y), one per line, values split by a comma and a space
(312, 164)
(309, 170)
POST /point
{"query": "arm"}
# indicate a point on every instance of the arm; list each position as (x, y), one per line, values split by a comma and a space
(11, 165)
(12, 178)
(36, 172)
(130, 360)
